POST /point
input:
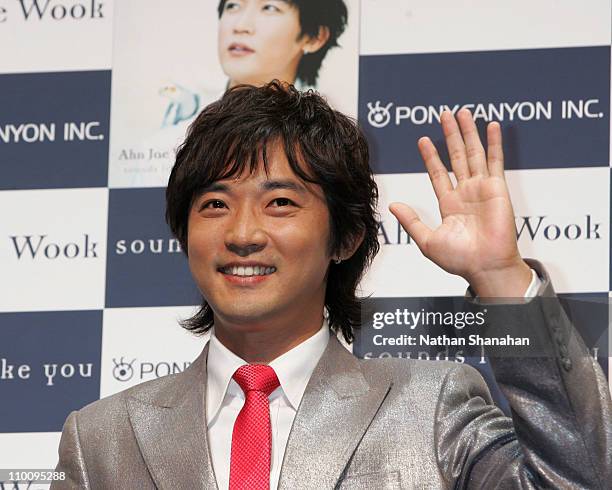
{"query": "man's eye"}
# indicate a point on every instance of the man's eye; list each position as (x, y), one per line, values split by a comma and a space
(282, 201)
(270, 8)
(230, 6)
(215, 203)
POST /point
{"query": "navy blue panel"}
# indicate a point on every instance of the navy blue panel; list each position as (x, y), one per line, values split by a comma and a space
(589, 313)
(49, 366)
(396, 93)
(145, 266)
(36, 150)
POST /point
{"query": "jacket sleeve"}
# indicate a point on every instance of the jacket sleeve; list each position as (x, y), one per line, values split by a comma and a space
(71, 461)
(560, 434)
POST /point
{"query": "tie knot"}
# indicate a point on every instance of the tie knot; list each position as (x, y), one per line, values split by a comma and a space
(256, 377)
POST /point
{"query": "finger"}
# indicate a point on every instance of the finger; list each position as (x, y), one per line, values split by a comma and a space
(476, 157)
(438, 175)
(495, 152)
(410, 221)
(455, 145)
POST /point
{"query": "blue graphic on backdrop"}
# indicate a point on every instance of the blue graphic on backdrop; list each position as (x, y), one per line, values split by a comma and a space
(54, 130)
(49, 366)
(553, 104)
(589, 312)
(145, 264)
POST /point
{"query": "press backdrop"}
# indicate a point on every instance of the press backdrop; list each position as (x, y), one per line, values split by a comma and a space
(95, 94)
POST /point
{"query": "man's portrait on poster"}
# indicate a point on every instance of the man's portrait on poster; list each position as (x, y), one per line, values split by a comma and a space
(312, 44)
(259, 41)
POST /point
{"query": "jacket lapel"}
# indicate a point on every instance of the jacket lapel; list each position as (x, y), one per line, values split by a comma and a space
(170, 427)
(337, 408)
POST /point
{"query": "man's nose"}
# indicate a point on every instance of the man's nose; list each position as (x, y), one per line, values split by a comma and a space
(245, 21)
(244, 251)
(244, 234)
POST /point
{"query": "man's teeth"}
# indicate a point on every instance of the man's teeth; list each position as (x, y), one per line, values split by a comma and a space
(249, 271)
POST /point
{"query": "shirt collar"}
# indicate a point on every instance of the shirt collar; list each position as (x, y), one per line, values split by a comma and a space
(220, 367)
(293, 369)
(295, 366)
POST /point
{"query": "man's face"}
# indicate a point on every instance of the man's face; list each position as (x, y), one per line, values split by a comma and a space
(258, 246)
(259, 41)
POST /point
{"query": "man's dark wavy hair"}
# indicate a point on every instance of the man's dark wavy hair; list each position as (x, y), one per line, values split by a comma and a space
(314, 14)
(323, 146)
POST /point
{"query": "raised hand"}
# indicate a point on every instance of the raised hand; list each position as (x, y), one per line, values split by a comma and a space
(476, 239)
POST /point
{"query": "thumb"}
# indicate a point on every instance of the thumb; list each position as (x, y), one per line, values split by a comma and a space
(411, 222)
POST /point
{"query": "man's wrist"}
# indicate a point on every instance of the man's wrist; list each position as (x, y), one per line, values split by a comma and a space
(510, 282)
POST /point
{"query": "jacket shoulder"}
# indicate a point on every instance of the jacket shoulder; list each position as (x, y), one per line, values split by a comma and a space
(112, 406)
(164, 392)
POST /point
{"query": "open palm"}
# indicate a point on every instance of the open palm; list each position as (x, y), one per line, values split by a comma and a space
(477, 234)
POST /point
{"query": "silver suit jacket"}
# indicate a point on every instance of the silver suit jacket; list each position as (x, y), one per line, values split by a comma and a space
(376, 424)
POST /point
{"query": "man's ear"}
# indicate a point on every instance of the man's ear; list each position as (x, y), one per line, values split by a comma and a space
(314, 43)
(347, 252)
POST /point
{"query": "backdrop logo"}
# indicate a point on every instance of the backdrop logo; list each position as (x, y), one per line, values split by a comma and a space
(541, 227)
(379, 116)
(51, 371)
(530, 227)
(418, 115)
(32, 132)
(145, 370)
(392, 235)
(40, 10)
(40, 247)
(152, 245)
(123, 371)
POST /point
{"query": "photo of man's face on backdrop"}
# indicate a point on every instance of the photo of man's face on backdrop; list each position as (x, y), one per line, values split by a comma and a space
(183, 59)
(257, 42)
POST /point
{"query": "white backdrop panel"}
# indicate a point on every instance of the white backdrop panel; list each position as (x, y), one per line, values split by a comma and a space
(54, 251)
(55, 35)
(425, 26)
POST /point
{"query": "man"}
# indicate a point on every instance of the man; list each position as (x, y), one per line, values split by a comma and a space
(273, 201)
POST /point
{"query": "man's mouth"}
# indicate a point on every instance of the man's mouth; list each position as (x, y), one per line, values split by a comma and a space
(237, 48)
(247, 271)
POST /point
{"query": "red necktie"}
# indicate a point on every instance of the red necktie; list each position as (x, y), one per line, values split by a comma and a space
(252, 436)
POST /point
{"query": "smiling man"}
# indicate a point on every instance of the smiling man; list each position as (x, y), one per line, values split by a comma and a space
(274, 203)
(258, 247)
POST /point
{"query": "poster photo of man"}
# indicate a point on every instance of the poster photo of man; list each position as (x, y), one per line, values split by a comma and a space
(180, 60)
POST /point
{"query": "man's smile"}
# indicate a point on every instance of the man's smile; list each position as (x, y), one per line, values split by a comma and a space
(246, 273)
(247, 270)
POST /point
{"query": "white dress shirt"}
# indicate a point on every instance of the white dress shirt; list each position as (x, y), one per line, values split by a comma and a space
(534, 285)
(224, 398)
